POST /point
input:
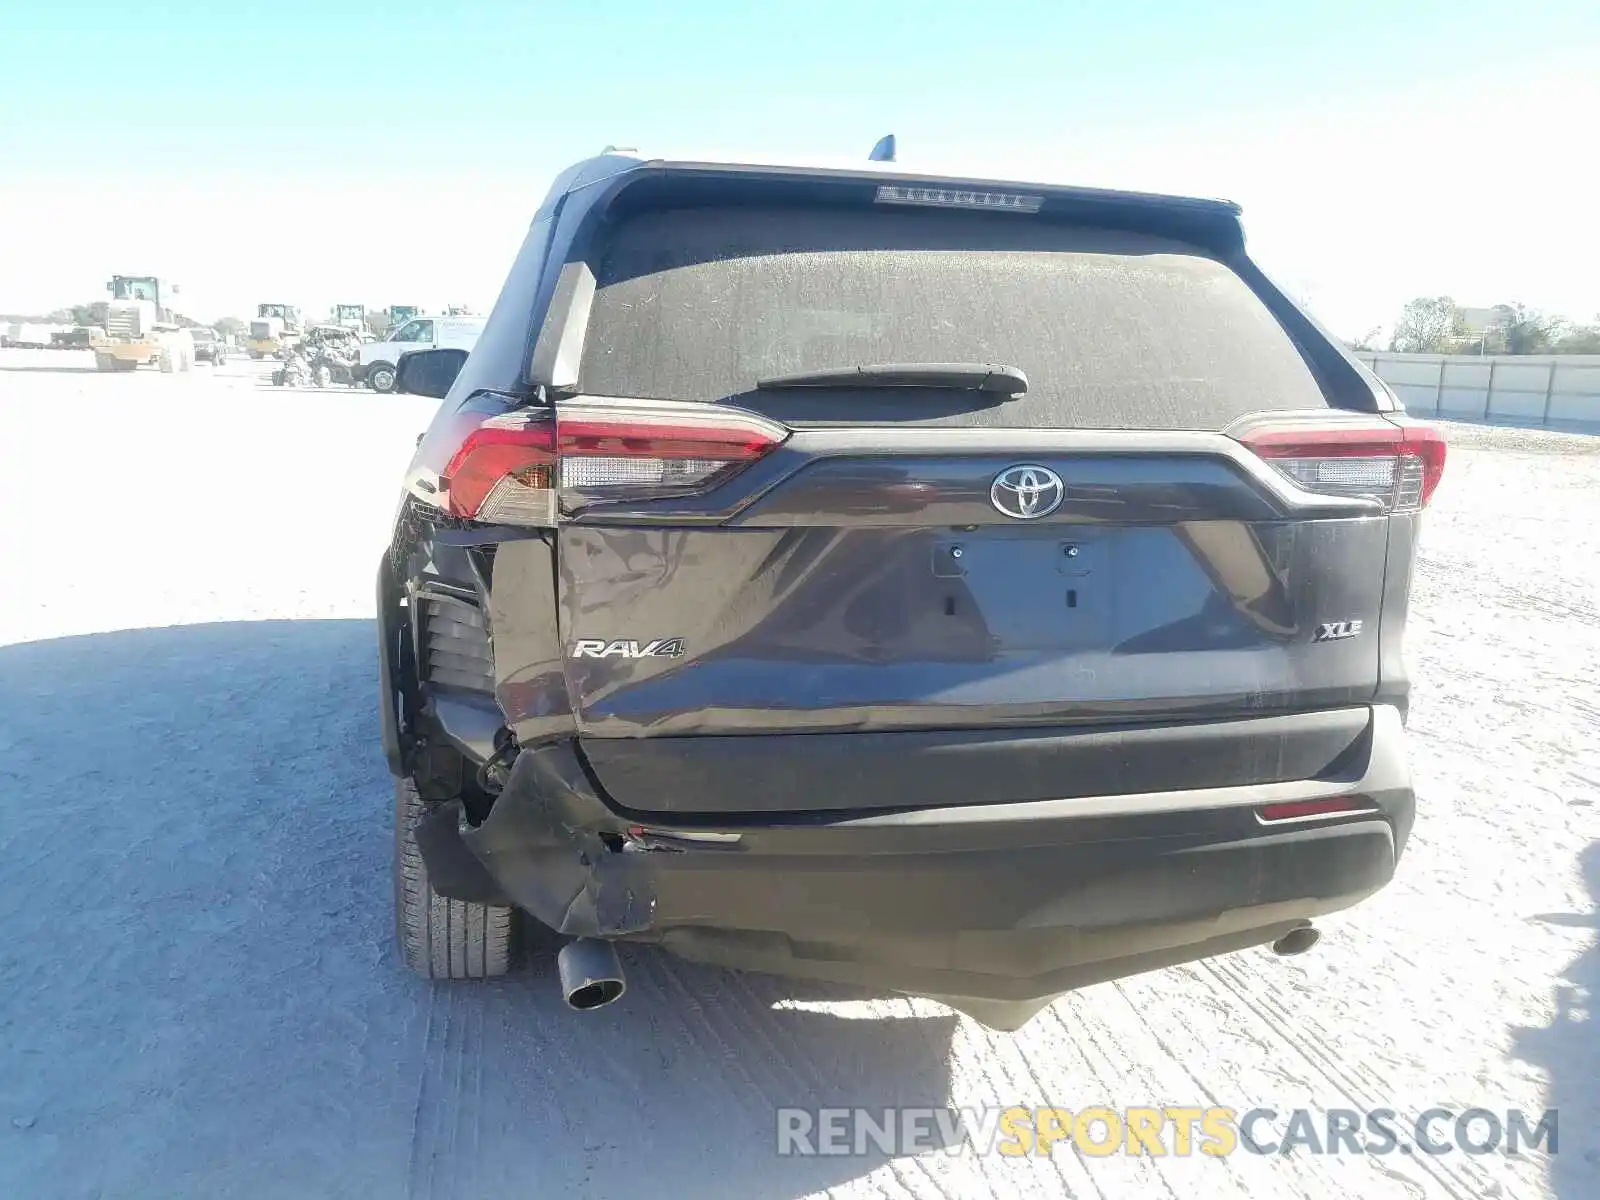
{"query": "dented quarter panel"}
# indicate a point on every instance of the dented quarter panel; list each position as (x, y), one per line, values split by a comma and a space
(530, 685)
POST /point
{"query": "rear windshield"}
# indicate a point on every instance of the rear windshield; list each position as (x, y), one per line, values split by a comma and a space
(1113, 329)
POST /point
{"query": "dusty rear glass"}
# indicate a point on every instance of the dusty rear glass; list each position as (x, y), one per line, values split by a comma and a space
(1113, 329)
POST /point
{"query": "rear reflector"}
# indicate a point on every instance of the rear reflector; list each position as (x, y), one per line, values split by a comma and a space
(1397, 462)
(512, 469)
(1294, 810)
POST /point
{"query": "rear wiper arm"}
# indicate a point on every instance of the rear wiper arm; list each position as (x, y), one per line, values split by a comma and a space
(971, 377)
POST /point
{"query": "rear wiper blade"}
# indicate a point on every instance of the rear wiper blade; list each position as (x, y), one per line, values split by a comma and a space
(972, 377)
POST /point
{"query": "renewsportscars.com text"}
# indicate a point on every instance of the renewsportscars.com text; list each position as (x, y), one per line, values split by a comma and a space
(1168, 1130)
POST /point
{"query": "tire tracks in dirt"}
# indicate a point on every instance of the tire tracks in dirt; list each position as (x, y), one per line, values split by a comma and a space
(1320, 1054)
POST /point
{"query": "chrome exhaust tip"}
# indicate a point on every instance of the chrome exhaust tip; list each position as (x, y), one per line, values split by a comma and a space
(591, 976)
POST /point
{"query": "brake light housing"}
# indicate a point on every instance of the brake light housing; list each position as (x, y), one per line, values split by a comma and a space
(1397, 461)
(523, 467)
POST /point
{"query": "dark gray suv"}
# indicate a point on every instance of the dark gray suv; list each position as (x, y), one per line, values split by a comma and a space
(964, 588)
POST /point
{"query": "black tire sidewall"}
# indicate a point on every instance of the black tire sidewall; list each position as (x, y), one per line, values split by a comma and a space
(418, 906)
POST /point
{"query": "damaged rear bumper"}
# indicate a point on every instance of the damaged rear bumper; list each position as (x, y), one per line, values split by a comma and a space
(997, 902)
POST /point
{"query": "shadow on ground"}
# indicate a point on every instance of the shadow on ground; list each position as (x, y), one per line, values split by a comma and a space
(1568, 1050)
(199, 994)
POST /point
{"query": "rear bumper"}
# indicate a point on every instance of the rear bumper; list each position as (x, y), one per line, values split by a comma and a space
(994, 902)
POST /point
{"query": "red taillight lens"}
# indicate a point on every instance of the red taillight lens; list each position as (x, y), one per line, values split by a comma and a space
(511, 468)
(1398, 462)
(500, 459)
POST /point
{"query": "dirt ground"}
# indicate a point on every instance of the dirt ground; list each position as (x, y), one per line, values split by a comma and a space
(199, 995)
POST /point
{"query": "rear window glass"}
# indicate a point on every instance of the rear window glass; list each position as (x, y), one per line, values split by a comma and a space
(1113, 329)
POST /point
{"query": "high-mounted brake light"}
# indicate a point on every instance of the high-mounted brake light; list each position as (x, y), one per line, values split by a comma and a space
(1397, 462)
(514, 468)
(931, 197)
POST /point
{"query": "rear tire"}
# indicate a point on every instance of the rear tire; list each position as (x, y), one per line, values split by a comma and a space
(442, 938)
(380, 377)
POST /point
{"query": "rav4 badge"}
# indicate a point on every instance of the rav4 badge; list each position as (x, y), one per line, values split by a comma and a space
(599, 648)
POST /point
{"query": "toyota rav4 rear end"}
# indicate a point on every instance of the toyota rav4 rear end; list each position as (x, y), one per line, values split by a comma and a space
(971, 589)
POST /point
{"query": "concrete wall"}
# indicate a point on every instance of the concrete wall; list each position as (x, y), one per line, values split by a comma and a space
(1558, 390)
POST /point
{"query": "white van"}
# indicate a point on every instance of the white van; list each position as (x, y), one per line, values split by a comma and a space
(378, 359)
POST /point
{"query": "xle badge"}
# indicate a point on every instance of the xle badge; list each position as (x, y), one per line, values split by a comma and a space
(1335, 631)
(598, 648)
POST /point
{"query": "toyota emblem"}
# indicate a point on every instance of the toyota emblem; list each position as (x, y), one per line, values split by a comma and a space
(1027, 492)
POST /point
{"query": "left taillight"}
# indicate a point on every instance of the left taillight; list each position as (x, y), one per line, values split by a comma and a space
(504, 471)
(1397, 462)
(520, 467)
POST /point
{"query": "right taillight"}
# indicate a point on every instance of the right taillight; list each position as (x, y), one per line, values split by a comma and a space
(1398, 462)
(518, 467)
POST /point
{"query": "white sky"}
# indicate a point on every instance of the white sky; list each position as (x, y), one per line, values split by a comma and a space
(1357, 209)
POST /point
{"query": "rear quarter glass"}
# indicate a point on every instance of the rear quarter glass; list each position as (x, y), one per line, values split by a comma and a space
(1113, 329)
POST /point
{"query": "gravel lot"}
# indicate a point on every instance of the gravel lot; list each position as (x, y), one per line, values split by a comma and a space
(199, 996)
